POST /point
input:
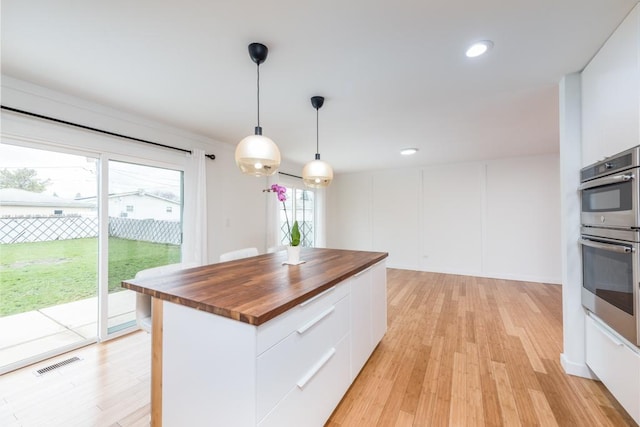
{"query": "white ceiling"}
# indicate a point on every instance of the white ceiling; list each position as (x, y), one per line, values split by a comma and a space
(394, 74)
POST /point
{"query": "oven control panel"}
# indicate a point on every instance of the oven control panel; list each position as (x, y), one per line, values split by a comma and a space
(617, 163)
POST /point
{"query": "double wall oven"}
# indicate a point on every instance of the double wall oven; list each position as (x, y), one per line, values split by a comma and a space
(610, 241)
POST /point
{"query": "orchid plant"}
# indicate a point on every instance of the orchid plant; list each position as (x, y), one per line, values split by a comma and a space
(294, 232)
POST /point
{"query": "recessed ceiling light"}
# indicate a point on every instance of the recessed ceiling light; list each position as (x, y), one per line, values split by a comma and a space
(479, 48)
(408, 151)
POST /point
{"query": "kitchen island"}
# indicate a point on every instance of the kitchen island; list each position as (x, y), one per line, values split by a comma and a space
(255, 342)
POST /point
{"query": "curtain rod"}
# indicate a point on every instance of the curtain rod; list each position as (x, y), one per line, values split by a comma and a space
(288, 174)
(64, 122)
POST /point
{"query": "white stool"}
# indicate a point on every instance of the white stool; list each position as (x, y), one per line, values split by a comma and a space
(143, 301)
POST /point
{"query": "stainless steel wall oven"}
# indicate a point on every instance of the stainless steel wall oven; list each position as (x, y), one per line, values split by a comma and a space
(610, 242)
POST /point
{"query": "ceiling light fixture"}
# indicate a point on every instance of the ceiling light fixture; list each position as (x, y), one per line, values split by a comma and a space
(408, 151)
(316, 173)
(479, 48)
(258, 155)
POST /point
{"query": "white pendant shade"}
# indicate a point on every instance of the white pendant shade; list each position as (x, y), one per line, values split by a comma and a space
(317, 174)
(257, 155)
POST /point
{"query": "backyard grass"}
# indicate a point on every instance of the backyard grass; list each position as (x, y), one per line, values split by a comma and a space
(42, 274)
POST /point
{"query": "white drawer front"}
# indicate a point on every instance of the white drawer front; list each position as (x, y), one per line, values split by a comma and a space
(284, 364)
(320, 391)
(276, 329)
(616, 365)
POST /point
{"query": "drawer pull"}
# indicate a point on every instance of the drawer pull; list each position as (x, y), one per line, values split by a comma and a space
(315, 369)
(318, 318)
(604, 332)
(613, 340)
(310, 300)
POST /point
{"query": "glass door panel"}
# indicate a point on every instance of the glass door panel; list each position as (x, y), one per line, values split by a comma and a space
(145, 231)
(48, 253)
(300, 208)
(305, 215)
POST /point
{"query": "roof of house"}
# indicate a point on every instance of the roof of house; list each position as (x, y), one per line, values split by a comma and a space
(18, 197)
(139, 193)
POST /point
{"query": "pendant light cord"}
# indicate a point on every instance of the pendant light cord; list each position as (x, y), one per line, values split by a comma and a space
(317, 132)
(258, 84)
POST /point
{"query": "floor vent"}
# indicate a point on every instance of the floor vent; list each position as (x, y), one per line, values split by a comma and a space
(56, 366)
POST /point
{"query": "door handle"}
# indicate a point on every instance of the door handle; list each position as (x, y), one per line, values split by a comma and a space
(606, 181)
(621, 249)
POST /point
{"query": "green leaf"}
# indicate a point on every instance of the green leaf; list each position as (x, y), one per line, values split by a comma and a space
(295, 234)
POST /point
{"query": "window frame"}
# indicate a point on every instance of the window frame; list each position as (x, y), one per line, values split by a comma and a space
(274, 208)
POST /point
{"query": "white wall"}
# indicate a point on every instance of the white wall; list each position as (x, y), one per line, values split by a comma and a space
(236, 204)
(349, 212)
(395, 216)
(143, 207)
(452, 218)
(497, 218)
(523, 219)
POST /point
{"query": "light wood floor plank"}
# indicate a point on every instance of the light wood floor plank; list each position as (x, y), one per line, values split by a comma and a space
(459, 351)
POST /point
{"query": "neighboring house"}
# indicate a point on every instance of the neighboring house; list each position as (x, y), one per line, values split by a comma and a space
(142, 205)
(15, 202)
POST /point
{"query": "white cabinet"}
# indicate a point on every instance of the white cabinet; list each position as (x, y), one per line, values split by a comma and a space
(303, 357)
(312, 400)
(611, 94)
(611, 124)
(368, 314)
(290, 371)
(361, 333)
(378, 302)
(616, 364)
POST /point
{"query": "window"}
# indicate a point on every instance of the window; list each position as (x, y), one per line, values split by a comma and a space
(300, 206)
(129, 208)
(57, 212)
(169, 209)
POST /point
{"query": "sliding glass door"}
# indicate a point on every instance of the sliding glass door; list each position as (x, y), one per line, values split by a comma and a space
(48, 253)
(73, 225)
(145, 230)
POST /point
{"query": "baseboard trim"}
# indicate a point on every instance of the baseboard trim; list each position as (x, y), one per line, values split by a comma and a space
(513, 277)
(576, 369)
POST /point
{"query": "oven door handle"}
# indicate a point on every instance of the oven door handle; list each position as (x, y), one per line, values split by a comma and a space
(607, 246)
(606, 181)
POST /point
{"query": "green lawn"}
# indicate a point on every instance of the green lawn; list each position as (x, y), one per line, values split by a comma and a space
(38, 275)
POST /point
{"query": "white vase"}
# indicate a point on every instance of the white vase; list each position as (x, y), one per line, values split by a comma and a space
(293, 254)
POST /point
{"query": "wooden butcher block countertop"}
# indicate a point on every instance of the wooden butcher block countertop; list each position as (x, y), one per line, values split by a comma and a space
(256, 289)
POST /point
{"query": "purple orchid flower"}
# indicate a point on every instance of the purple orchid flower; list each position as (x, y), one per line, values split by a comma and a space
(281, 191)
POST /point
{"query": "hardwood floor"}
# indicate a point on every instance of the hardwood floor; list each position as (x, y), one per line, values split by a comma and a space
(460, 351)
(109, 386)
(469, 351)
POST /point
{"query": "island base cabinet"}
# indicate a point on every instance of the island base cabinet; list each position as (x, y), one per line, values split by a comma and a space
(292, 370)
(378, 302)
(297, 356)
(317, 393)
(615, 364)
(361, 328)
(207, 359)
(368, 314)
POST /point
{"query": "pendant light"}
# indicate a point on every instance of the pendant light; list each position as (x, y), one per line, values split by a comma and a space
(256, 154)
(317, 173)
